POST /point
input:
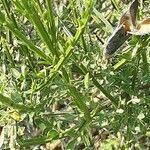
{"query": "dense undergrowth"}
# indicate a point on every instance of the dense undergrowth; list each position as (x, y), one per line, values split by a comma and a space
(56, 91)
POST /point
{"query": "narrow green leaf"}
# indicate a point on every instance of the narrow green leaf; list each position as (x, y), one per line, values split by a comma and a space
(33, 16)
(9, 103)
(71, 144)
(2, 18)
(52, 135)
(15, 73)
(103, 19)
(52, 21)
(115, 4)
(80, 102)
(25, 41)
(86, 80)
(119, 64)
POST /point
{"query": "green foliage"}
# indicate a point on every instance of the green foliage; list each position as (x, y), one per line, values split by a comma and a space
(54, 85)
